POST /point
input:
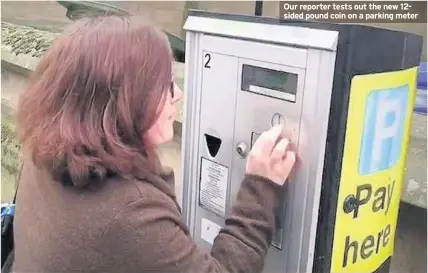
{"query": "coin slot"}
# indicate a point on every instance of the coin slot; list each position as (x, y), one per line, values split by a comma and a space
(277, 240)
(213, 144)
(277, 119)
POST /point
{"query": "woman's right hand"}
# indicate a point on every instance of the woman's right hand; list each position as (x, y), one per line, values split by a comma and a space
(271, 156)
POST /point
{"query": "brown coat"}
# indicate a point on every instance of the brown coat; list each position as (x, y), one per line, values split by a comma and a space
(134, 226)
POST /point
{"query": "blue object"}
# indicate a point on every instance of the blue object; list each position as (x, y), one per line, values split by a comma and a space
(7, 210)
(383, 129)
(421, 94)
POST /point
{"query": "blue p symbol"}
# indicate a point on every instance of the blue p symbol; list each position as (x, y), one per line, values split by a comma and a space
(383, 129)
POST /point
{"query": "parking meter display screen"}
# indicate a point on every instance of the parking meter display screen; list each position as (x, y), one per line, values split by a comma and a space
(269, 82)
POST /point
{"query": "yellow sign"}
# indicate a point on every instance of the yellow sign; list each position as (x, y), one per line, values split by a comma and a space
(376, 141)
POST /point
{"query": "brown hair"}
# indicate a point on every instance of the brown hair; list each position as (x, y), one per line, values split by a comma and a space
(92, 98)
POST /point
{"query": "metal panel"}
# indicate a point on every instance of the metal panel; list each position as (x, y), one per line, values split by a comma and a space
(315, 115)
(191, 108)
(217, 112)
(254, 113)
(216, 105)
(281, 34)
(270, 53)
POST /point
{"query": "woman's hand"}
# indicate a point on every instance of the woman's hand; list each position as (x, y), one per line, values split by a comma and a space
(271, 157)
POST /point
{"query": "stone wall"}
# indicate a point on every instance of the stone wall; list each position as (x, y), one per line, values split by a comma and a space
(10, 162)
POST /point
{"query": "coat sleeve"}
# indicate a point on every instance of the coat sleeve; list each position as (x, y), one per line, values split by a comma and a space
(150, 237)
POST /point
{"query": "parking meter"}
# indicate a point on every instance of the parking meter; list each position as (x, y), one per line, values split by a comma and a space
(345, 91)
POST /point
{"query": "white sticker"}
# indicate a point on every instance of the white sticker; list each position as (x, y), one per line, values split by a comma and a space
(213, 189)
(209, 230)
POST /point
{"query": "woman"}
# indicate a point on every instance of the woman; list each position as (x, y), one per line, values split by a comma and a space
(93, 196)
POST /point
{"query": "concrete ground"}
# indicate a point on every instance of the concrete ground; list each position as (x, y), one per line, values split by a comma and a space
(411, 239)
(170, 155)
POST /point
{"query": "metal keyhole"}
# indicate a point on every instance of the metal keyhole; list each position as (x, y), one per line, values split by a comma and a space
(241, 149)
(350, 203)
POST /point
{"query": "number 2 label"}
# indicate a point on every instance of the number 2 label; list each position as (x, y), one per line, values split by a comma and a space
(207, 58)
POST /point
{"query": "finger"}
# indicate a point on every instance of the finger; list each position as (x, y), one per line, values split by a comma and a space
(279, 152)
(274, 132)
(289, 161)
(287, 133)
(266, 141)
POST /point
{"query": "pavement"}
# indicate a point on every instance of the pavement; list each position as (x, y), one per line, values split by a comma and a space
(170, 155)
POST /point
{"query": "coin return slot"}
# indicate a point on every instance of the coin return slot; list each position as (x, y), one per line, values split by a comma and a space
(279, 231)
(213, 144)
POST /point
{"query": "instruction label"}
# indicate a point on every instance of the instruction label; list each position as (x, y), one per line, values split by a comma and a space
(213, 186)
